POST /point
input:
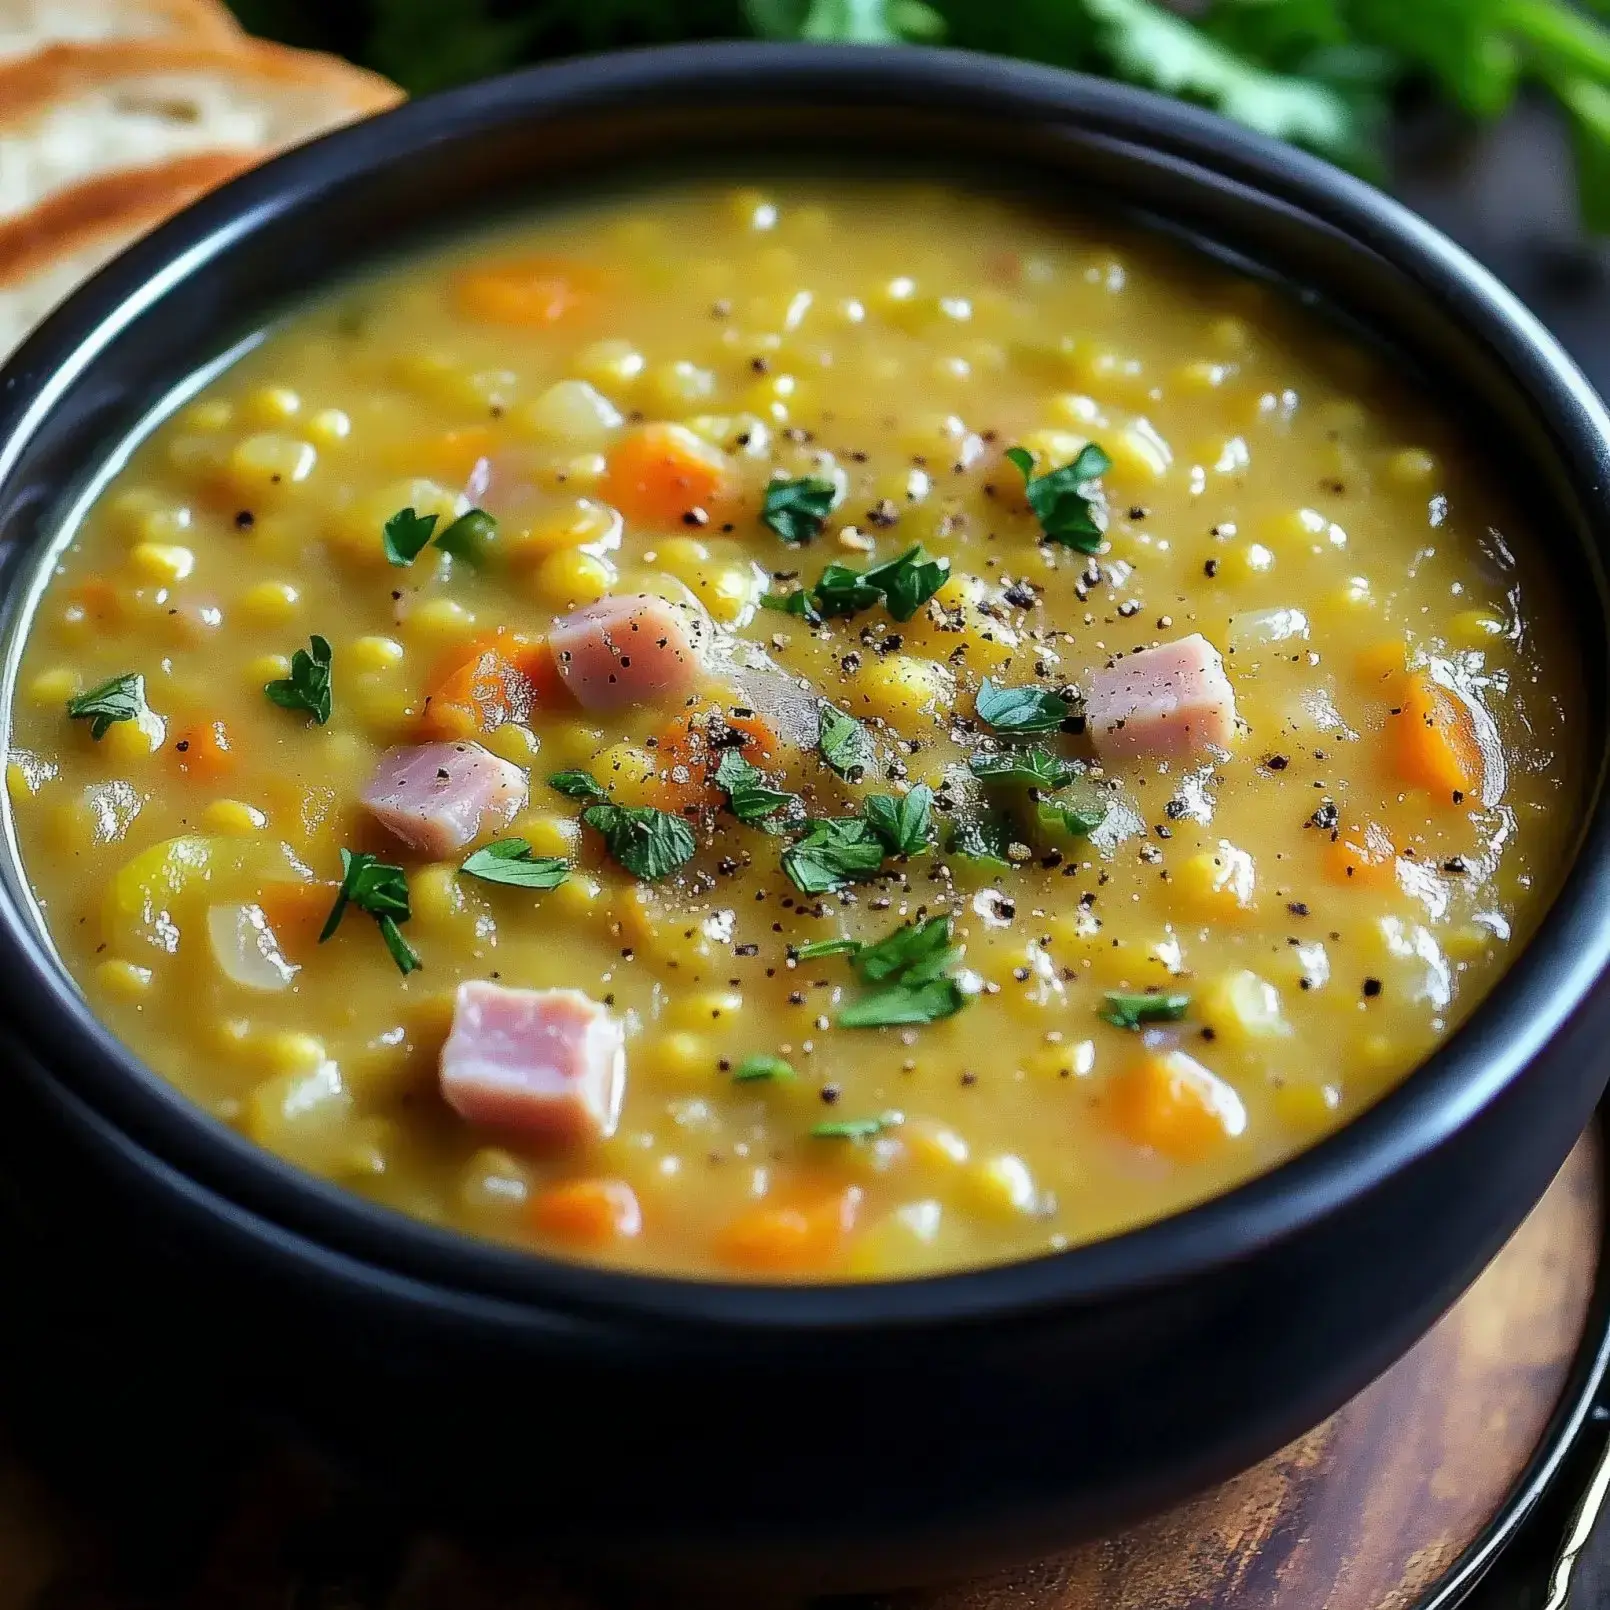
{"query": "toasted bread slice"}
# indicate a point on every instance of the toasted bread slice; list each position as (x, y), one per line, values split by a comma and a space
(69, 113)
(57, 245)
(30, 25)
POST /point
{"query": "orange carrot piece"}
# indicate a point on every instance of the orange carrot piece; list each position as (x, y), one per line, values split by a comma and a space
(296, 912)
(1434, 740)
(203, 750)
(1170, 1104)
(588, 1212)
(528, 292)
(1363, 857)
(800, 1237)
(450, 457)
(660, 472)
(98, 599)
(685, 760)
(501, 677)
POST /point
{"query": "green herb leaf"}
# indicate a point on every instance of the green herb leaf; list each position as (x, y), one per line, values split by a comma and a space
(855, 1128)
(511, 861)
(1020, 710)
(902, 823)
(373, 886)
(120, 699)
(824, 947)
(907, 583)
(843, 590)
(650, 844)
(846, 22)
(796, 510)
(834, 851)
(308, 686)
(753, 1069)
(1065, 513)
(1033, 768)
(748, 796)
(903, 1004)
(1128, 1011)
(405, 535)
(797, 603)
(577, 785)
(1078, 818)
(981, 836)
(845, 744)
(468, 536)
(913, 953)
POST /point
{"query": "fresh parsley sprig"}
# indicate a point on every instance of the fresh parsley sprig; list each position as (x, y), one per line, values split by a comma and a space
(381, 890)
(308, 687)
(833, 851)
(122, 698)
(511, 861)
(406, 535)
(1029, 768)
(903, 822)
(1020, 710)
(749, 797)
(1066, 512)
(1132, 1011)
(797, 510)
(845, 744)
(902, 585)
(651, 844)
(578, 785)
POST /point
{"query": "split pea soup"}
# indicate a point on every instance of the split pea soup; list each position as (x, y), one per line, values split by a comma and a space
(816, 732)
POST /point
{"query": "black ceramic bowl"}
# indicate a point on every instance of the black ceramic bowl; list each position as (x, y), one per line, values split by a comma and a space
(844, 1434)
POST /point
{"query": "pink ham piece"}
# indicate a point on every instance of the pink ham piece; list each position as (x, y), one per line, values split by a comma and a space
(1170, 700)
(546, 1062)
(636, 649)
(437, 797)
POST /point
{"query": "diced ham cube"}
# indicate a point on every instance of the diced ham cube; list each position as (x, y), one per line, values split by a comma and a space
(637, 649)
(548, 1062)
(1171, 700)
(437, 797)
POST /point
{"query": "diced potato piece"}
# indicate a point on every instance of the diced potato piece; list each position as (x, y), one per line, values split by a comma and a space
(1241, 1007)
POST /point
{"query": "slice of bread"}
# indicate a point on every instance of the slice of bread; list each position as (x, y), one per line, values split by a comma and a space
(30, 25)
(70, 113)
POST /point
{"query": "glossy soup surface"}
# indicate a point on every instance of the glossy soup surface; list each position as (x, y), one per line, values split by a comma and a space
(1320, 902)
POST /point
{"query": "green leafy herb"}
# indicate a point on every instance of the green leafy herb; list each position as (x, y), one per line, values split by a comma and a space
(1128, 1011)
(981, 836)
(834, 851)
(511, 861)
(902, 823)
(1033, 768)
(381, 890)
(796, 510)
(748, 796)
(848, 22)
(577, 785)
(1065, 513)
(405, 534)
(120, 699)
(467, 537)
(855, 1128)
(845, 744)
(308, 686)
(904, 1004)
(907, 583)
(650, 844)
(843, 590)
(1020, 710)
(753, 1069)
(825, 947)
(797, 603)
(1078, 818)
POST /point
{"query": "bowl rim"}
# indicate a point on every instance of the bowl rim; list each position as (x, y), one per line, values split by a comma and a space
(311, 1219)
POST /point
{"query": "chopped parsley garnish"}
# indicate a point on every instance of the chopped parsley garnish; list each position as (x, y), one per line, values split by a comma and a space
(904, 1004)
(121, 699)
(381, 890)
(748, 796)
(796, 603)
(1078, 818)
(577, 785)
(511, 861)
(833, 851)
(650, 844)
(911, 966)
(1067, 515)
(308, 686)
(845, 744)
(467, 537)
(1020, 710)
(1128, 1011)
(901, 585)
(902, 823)
(753, 1069)
(405, 534)
(981, 836)
(855, 1128)
(1033, 768)
(796, 510)
(824, 947)
(914, 953)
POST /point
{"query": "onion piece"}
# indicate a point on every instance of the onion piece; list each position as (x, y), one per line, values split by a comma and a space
(244, 946)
